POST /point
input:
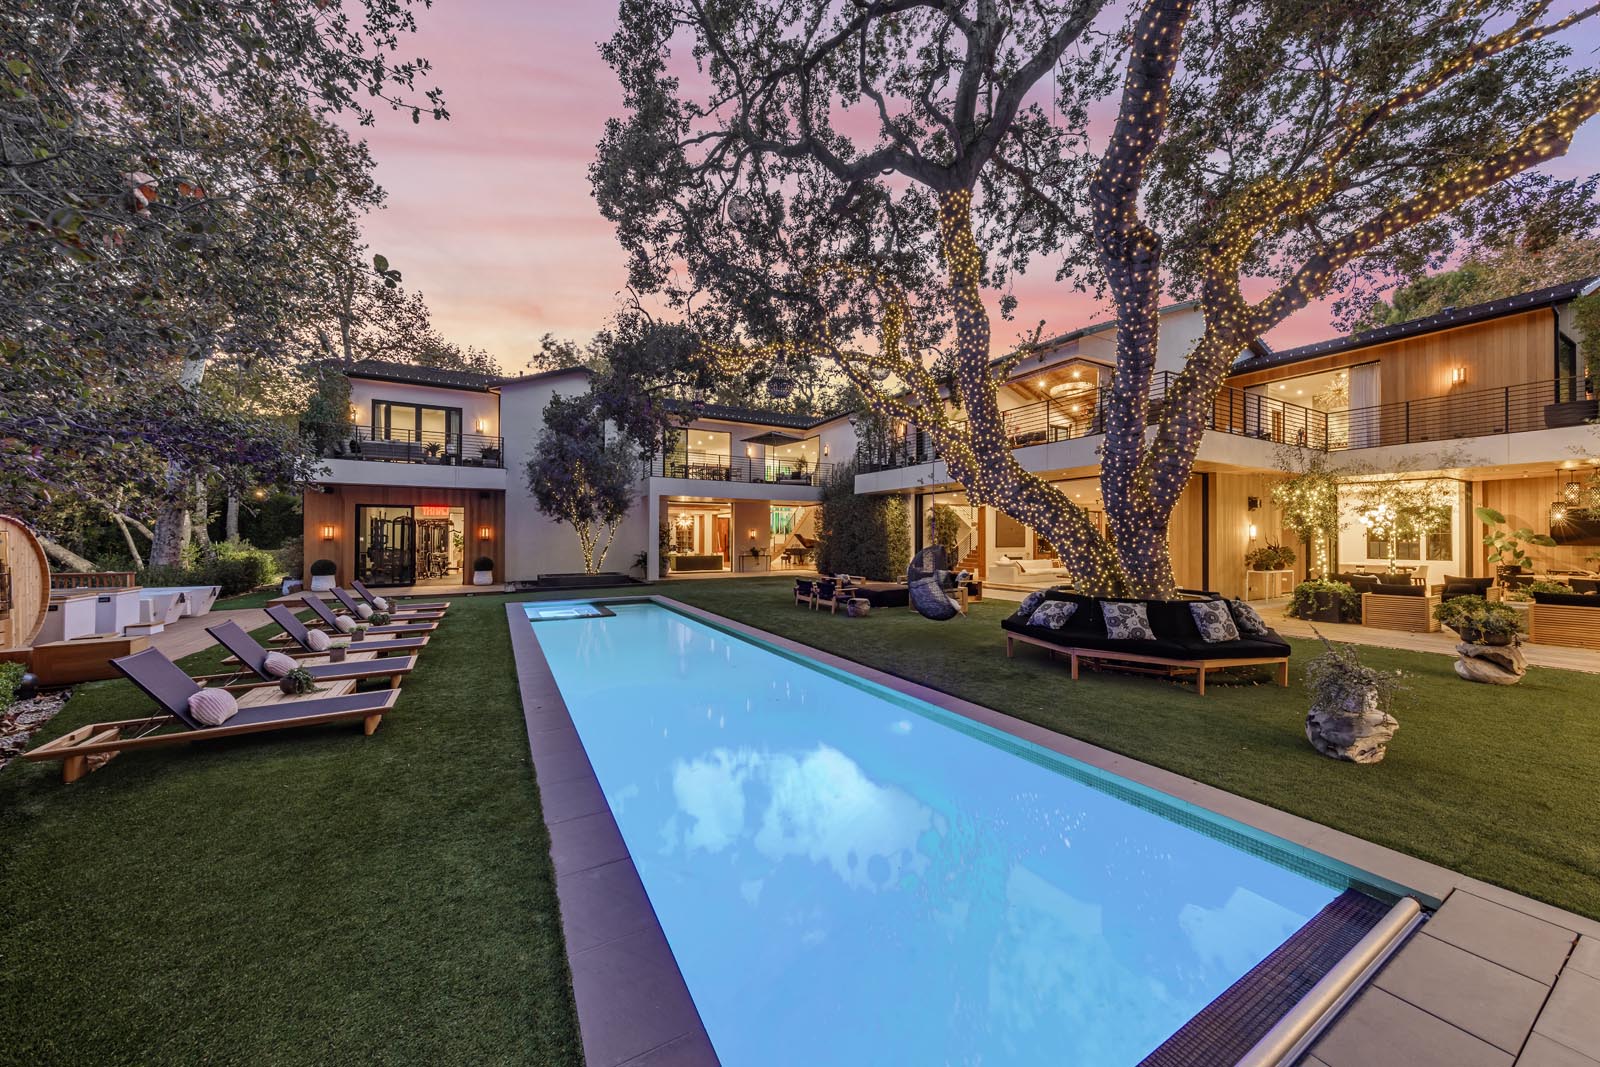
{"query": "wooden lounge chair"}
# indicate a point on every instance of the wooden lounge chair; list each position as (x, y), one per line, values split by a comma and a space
(354, 606)
(252, 656)
(326, 616)
(366, 594)
(89, 747)
(296, 632)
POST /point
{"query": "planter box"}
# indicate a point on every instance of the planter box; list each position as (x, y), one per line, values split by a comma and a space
(1569, 413)
(322, 583)
(482, 577)
(1327, 609)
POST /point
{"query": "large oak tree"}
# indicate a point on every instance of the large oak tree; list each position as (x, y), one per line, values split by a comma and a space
(850, 181)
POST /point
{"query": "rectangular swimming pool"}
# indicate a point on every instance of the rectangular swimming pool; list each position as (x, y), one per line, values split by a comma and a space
(846, 875)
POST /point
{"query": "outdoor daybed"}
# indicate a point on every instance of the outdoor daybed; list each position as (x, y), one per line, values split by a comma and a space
(1176, 648)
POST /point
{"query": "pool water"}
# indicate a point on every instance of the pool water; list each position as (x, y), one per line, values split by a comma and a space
(849, 876)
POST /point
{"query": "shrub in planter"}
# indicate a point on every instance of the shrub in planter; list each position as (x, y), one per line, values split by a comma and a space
(1349, 716)
(322, 572)
(1324, 600)
(1490, 636)
(298, 681)
(482, 571)
(1270, 557)
(379, 618)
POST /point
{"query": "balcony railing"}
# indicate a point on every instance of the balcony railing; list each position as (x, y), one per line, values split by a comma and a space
(424, 446)
(713, 467)
(1257, 414)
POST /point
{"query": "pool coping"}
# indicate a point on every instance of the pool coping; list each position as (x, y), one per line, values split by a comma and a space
(585, 837)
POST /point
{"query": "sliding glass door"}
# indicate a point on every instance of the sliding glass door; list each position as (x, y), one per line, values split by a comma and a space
(386, 546)
(438, 430)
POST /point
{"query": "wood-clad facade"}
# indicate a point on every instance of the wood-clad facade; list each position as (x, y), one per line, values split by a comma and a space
(332, 508)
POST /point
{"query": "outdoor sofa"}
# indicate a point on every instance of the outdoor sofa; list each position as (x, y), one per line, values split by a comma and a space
(1568, 619)
(1176, 649)
(1400, 607)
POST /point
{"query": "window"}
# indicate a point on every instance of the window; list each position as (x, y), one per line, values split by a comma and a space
(1377, 548)
(428, 426)
(1569, 383)
(699, 454)
(1441, 546)
(1408, 549)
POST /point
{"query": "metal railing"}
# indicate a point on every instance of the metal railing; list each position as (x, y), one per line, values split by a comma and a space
(421, 446)
(715, 467)
(1255, 413)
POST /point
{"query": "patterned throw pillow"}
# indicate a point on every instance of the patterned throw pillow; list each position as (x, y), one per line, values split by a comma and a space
(1247, 618)
(1214, 621)
(345, 623)
(318, 641)
(277, 664)
(213, 707)
(1029, 602)
(364, 610)
(1127, 622)
(1052, 613)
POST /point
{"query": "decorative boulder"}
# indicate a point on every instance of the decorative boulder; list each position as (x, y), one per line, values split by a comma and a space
(1491, 664)
(857, 607)
(1347, 733)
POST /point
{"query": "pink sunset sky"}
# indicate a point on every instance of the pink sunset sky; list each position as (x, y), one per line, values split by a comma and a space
(490, 216)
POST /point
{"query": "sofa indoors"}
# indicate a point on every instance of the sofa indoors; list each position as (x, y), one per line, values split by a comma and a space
(1177, 647)
(1011, 569)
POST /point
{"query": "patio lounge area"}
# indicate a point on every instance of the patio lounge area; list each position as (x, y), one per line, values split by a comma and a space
(442, 797)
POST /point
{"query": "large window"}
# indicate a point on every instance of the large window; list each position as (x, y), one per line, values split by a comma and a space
(1569, 384)
(699, 454)
(428, 426)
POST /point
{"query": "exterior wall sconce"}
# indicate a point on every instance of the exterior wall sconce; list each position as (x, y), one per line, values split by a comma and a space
(1458, 376)
(329, 531)
(1252, 531)
(482, 426)
(825, 450)
(486, 533)
(355, 413)
(749, 451)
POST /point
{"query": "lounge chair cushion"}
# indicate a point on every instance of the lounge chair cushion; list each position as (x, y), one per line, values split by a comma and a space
(380, 603)
(213, 707)
(364, 610)
(1214, 621)
(319, 641)
(276, 665)
(1127, 620)
(345, 623)
(1248, 619)
(1053, 614)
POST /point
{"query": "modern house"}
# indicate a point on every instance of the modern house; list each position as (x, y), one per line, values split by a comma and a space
(1488, 402)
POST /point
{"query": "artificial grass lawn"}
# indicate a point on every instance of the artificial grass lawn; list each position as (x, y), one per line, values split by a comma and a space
(258, 598)
(317, 897)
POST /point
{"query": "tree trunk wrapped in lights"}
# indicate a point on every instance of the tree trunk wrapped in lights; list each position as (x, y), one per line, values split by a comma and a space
(1305, 146)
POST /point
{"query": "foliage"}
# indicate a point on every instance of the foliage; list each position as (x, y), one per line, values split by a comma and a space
(299, 681)
(233, 568)
(323, 568)
(379, 618)
(1303, 601)
(483, 563)
(947, 531)
(1478, 621)
(1586, 320)
(10, 678)
(866, 535)
(1308, 501)
(1270, 557)
(578, 477)
(1397, 507)
(1524, 593)
(1506, 546)
(813, 181)
(1338, 679)
(325, 422)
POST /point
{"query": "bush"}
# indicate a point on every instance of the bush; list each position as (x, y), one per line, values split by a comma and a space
(323, 568)
(10, 677)
(1478, 621)
(233, 568)
(483, 563)
(1303, 601)
(1270, 557)
(866, 535)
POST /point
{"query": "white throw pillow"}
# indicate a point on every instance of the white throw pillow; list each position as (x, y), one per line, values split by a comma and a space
(364, 610)
(277, 664)
(344, 623)
(213, 707)
(380, 603)
(318, 641)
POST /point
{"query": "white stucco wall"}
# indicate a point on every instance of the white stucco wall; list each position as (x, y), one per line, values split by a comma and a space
(475, 406)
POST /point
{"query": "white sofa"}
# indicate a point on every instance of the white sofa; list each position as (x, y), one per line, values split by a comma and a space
(1012, 570)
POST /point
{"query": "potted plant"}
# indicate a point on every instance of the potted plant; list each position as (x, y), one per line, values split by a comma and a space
(483, 571)
(1505, 546)
(322, 572)
(1270, 557)
(298, 682)
(337, 647)
(358, 631)
(1490, 638)
(1324, 600)
(1349, 716)
(378, 618)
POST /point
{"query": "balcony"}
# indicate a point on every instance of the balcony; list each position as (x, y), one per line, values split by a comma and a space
(1254, 414)
(714, 467)
(425, 446)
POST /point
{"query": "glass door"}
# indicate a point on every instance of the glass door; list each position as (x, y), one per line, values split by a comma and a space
(386, 551)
